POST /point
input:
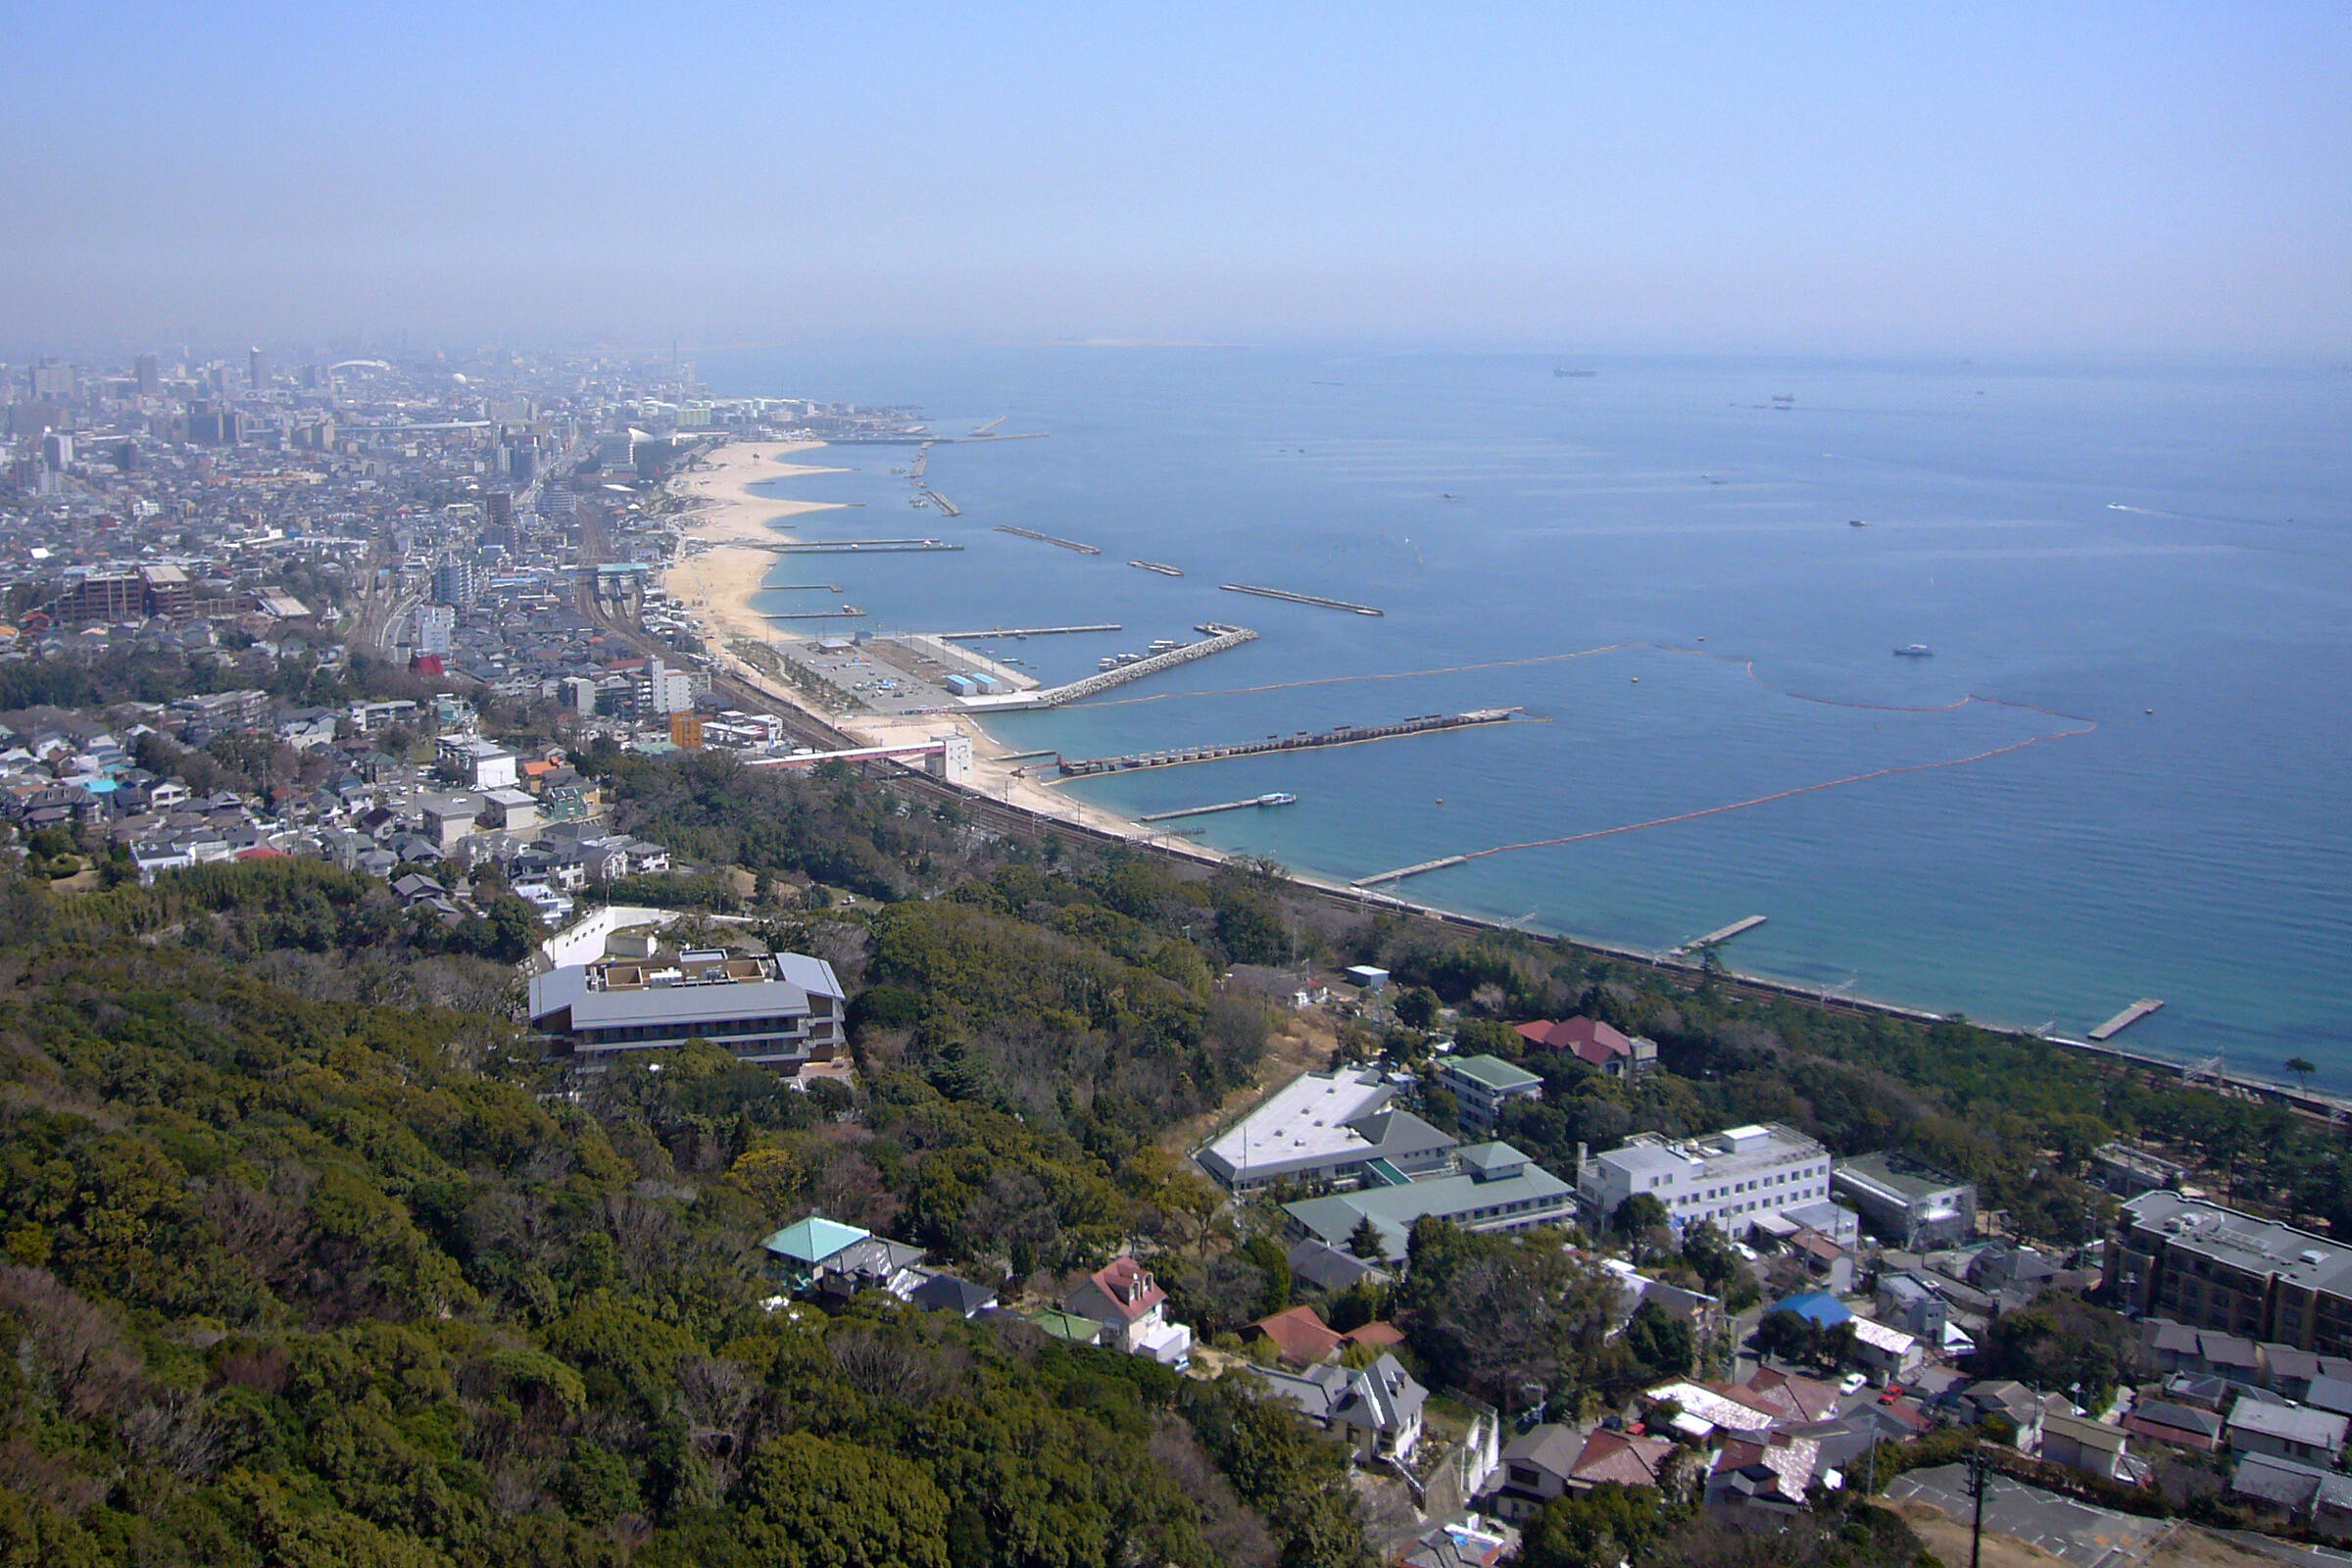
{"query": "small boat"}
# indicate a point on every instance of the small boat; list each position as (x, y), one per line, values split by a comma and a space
(1915, 651)
(1856, 522)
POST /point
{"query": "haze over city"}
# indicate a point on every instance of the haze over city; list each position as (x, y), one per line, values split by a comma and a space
(2146, 181)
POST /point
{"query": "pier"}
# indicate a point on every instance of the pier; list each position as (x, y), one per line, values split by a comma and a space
(1048, 539)
(800, 587)
(1277, 798)
(1404, 872)
(858, 547)
(2127, 1018)
(844, 612)
(1345, 735)
(1027, 631)
(1715, 938)
(983, 429)
(1218, 638)
(1289, 597)
(947, 508)
(1160, 567)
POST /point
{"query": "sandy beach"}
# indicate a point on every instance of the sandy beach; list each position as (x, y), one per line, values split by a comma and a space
(721, 570)
(715, 584)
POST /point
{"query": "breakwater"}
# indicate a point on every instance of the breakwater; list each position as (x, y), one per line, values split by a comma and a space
(1304, 740)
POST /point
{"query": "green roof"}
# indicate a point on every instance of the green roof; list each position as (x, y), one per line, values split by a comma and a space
(1464, 1200)
(1067, 1326)
(815, 1239)
(1493, 1071)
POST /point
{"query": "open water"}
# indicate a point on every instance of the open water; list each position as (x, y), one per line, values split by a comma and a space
(2148, 568)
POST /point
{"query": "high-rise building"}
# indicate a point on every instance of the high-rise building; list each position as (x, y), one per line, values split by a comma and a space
(453, 582)
(148, 370)
(257, 369)
(57, 449)
(54, 379)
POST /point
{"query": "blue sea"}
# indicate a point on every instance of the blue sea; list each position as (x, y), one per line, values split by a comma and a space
(2142, 574)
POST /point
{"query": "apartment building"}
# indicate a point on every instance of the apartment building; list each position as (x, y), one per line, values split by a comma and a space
(2211, 1267)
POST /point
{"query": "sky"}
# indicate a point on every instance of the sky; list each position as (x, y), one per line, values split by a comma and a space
(2143, 180)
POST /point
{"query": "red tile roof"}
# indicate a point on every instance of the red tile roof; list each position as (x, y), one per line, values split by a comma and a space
(1628, 1461)
(1298, 1335)
(1588, 1039)
(1129, 1286)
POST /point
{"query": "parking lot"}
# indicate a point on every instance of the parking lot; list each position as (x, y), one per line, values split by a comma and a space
(2086, 1537)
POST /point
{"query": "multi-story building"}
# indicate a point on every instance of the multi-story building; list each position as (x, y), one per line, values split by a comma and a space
(1495, 1188)
(2212, 1268)
(1324, 1127)
(1483, 1085)
(436, 628)
(476, 763)
(1727, 1179)
(781, 1009)
(453, 581)
(1907, 1204)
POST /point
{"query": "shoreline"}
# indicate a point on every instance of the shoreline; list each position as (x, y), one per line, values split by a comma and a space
(727, 572)
(715, 587)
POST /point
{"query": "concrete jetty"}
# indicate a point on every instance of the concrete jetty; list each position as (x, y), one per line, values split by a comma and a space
(1415, 869)
(1028, 631)
(1275, 797)
(1714, 938)
(1048, 539)
(854, 547)
(1318, 599)
(844, 612)
(1218, 639)
(2127, 1018)
(947, 508)
(1345, 735)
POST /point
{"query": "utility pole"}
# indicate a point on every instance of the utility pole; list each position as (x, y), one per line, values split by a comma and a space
(1976, 1483)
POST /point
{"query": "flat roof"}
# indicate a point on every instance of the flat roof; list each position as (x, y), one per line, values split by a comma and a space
(1307, 1121)
(2255, 1246)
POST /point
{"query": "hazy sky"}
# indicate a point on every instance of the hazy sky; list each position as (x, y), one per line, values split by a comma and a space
(2143, 178)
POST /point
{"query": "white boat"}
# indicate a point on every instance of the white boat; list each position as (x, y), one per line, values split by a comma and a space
(1915, 651)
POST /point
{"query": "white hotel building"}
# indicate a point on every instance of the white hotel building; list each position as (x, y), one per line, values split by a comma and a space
(1729, 1179)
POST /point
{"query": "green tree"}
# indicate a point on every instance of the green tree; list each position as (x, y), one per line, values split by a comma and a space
(1365, 1240)
(816, 1502)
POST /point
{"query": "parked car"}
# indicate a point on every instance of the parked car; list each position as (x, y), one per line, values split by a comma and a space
(1852, 1383)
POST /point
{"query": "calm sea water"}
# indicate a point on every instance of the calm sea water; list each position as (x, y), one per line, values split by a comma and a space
(2159, 557)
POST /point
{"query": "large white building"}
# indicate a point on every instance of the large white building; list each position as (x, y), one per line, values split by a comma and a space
(1325, 1127)
(1727, 1179)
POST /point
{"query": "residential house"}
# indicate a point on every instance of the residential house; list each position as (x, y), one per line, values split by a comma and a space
(1377, 1408)
(815, 1255)
(1299, 1336)
(1594, 1043)
(2305, 1493)
(2286, 1431)
(2086, 1445)
(1537, 1466)
(1129, 1304)
(2179, 1426)
(1769, 1474)
(943, 1292)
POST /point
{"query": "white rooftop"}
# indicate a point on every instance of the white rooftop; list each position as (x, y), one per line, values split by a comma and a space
(1307, 1117)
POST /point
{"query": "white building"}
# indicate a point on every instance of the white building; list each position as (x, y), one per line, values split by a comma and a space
(1324, 1127)
(436, 628)
(476, 763)
(1727, 1179)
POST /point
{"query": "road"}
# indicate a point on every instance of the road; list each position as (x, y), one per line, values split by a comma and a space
(2086, 1537)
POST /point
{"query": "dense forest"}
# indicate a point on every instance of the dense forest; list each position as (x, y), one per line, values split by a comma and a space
(311, 1257)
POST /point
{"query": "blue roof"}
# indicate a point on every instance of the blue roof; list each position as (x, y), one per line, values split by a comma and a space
(1817, 1306)
(815, 1239)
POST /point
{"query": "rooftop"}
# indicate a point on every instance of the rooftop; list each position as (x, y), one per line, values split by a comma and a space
(1492, 1071)
(2256, 1246)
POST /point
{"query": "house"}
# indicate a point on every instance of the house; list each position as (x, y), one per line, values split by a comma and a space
(1535, 1468)
(2086, 1445)
(1594, 1043)
(1466, 1542)
(1794, 1399)
(816, 1254)
(1377, 1408)
(945, 1292)
(1705, 1409)
(1906, 1204)
(1484, 1085)
(1765, 1474)
(2010, 1403)
(474, 762)
(1888, 1352)
(1070, 1326)
(1124, 1299)
(2303, 1492)
(2179, 1426)
(1324, 1127)
(2286, 1431)
(1331, 1268)
(1301, 1337)
(1617, 1458)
